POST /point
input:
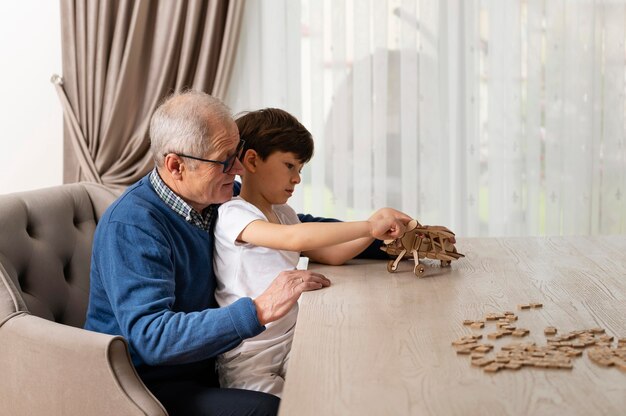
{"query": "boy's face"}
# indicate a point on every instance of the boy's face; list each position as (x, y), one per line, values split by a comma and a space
(277, 176)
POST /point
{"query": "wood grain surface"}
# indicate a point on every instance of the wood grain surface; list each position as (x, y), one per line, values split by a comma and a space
(376, 343)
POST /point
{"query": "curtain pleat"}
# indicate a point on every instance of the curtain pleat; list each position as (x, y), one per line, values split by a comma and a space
(120, 58)
(230, 40)
(77, 138)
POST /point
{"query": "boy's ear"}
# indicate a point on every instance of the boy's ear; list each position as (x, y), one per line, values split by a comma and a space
(250, 160)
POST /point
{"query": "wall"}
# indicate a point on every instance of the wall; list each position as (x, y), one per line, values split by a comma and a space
(31, 123)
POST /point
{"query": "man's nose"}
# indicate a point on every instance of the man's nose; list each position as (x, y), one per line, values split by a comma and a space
(237, 168)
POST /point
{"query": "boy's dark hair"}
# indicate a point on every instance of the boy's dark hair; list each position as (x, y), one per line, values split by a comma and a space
(270, 130)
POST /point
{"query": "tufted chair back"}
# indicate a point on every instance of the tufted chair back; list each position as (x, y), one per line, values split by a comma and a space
(48, 363)
(45, 250)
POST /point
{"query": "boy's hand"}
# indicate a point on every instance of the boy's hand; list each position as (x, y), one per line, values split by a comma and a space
(388, 224)
(284, 291)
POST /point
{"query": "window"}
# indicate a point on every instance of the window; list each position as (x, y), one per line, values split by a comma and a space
(490, 117)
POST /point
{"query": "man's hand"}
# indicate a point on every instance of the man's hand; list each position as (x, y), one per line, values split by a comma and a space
(284, 292)
(388, 224)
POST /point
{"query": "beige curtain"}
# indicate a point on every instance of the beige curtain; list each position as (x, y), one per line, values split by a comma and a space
(120, 58)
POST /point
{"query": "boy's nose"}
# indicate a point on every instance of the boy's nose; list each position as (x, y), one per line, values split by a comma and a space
(296, 178)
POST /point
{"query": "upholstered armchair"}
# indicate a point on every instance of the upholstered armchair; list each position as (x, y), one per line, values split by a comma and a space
(48, 363)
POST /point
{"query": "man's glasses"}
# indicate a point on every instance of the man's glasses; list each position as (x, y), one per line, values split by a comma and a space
(228, 163)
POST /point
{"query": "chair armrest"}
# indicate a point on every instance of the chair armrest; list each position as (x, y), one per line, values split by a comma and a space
(50, 368)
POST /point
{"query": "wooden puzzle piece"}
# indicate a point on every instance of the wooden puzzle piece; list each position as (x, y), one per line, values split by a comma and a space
(550, 330)
(556, 354)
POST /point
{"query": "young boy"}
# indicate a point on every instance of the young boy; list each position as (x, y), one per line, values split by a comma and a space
(258, 235)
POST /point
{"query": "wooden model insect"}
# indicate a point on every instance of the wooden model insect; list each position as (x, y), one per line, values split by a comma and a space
(420, 242)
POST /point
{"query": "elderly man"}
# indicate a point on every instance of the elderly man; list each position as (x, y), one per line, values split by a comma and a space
(152, 278)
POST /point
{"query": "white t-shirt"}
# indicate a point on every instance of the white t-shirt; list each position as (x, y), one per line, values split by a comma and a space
(246, 270)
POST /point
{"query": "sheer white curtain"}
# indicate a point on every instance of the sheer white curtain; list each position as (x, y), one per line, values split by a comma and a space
(492, 117)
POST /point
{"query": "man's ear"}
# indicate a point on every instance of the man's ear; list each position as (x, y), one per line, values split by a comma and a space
(174, 165)
(250, 160)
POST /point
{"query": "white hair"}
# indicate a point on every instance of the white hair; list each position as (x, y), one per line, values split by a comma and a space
(185, 123)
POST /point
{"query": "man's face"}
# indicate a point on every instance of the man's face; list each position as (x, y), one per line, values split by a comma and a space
(207, 184)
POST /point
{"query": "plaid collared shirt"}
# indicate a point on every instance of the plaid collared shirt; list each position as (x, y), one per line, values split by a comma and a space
(203, 221)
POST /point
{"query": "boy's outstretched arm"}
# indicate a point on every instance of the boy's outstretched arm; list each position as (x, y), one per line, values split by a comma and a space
(363, 248)
(310, 236)
(372, 251)
(340, 253)
(329, 237)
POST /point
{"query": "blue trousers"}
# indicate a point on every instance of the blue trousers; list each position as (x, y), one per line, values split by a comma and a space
(193, 390)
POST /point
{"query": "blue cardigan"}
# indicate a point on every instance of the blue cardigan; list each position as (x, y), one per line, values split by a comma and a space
(152, 282)
(166, 321)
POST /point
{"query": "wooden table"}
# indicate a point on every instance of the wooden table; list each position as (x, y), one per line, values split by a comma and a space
(376, 343)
